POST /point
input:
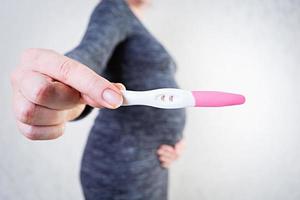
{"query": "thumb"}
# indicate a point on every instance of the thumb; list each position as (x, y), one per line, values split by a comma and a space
(88, 100)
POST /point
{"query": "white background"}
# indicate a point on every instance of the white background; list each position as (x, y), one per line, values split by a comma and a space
(249, 152)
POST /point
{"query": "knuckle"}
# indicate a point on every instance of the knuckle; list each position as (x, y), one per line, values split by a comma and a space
(30, 133)
(65, 69)
(42, 92)
(30, 54)
(26, 113)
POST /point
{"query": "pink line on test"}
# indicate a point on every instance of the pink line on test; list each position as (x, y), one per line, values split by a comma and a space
(216, 99)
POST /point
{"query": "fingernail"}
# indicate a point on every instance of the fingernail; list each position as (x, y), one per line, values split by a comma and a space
(112, 98)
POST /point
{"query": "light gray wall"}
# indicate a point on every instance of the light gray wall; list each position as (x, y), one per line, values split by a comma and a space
(250, 152)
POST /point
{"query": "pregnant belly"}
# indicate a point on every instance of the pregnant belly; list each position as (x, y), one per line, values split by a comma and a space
(133, 133)
(145, 123)
(129, 170)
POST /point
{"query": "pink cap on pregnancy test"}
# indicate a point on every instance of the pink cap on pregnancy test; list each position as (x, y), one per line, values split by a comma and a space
(217, 99)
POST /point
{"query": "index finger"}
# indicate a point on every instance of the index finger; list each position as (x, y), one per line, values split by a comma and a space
(70, 72)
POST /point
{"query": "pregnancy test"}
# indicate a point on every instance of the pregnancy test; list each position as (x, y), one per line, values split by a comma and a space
(171, 98)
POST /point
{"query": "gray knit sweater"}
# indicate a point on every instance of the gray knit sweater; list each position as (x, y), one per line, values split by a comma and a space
(120, 160)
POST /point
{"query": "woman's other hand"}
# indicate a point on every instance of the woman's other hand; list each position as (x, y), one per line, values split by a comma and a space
(167, 154)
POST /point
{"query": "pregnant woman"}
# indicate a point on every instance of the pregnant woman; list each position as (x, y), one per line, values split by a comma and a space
(120, 160)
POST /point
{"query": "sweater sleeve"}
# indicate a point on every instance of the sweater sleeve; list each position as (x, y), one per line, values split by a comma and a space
(108, 26)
